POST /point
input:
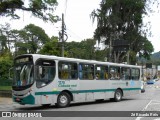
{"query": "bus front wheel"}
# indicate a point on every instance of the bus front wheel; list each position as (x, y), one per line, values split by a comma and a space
(118, 95)
(63, 100)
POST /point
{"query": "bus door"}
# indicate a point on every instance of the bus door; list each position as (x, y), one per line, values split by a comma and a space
(45, 74)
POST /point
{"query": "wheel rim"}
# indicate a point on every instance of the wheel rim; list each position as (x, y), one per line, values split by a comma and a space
(118, 95)
(63, 99)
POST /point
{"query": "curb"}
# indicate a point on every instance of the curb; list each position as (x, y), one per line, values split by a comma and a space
(5, 101)
(6, 93)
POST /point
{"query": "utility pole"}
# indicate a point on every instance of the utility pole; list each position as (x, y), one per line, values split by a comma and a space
(128, 57)
(110, 50)
(61, 36)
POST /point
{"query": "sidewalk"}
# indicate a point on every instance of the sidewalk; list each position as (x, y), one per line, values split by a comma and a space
(5, 100)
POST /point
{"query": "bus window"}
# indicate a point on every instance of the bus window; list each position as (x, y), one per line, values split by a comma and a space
(114, 72)
(45, 72)
(86, 71)
(67, 70)
(125, 73)
(135, 74)
(101, 72)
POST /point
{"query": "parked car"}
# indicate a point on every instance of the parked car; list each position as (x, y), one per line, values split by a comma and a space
(152, 81)
(142, 86)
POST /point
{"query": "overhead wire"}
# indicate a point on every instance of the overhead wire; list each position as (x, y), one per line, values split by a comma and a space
(71, 31)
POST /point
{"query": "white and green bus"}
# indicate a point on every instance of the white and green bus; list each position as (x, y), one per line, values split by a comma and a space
(48, 80)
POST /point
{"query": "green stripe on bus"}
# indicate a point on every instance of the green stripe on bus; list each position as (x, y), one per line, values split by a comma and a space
(47, 93)
(131, 89)
(85, 91)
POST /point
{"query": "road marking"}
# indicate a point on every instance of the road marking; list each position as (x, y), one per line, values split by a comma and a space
(151, 102)
(147, 105)
(139, 118)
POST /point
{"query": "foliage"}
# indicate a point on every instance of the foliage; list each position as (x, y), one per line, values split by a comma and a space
(51, 48)
(4, 36)
(30, 39)
(40, 8)
(6, 87)
(6, 63)
(85, 50)
(121, 20)
(155, 58)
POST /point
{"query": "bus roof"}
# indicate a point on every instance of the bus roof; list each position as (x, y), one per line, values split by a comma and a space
(77, 60)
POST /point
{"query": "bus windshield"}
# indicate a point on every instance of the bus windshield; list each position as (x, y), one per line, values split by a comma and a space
(23, 75)
(23, 71)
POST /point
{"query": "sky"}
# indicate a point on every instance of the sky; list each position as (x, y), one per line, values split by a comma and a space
(79, 25)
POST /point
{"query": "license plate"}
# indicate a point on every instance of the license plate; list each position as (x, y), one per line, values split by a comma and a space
(17, 99)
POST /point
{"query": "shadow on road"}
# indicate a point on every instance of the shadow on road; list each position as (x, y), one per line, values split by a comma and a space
(72, 105)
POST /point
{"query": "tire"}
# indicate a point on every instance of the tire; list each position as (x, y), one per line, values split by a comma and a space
(63, 100)
(118, 95)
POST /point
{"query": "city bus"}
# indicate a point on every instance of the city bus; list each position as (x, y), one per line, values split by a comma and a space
(51, 80)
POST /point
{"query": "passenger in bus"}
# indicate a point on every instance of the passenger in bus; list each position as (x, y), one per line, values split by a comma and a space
(118, 76)
(123, 76)
(90, 76)
(112, 74)
(65, 74)
(106, 76)
(97, 76)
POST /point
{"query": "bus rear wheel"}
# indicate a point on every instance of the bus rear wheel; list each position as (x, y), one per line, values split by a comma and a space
(63, 100)
(118, 95)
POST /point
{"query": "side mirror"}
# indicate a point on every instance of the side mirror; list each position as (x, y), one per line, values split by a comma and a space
(11, 73)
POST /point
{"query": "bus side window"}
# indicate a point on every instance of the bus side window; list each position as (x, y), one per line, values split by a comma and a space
(67, 70)
(135, 73)
(114, 72)
(80, 71)
(125, 73)
(86, 71)
(101, 72)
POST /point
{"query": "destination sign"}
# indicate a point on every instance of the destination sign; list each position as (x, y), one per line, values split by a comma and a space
(23, 59)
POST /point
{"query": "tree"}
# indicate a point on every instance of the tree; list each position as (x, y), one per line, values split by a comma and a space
(36, 37)
(83, 49)
(5, 35)
(120, 20)
(6, 62)
(51, 48)
(3, 44)
(40, 8)
(30, 39)
(145, 48)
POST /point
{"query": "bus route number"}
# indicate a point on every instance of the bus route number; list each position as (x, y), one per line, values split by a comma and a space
(61, 83)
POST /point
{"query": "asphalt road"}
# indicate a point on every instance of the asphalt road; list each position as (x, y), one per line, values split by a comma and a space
(148, 101)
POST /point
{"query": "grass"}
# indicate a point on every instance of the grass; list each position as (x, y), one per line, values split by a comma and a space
(5, 87)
